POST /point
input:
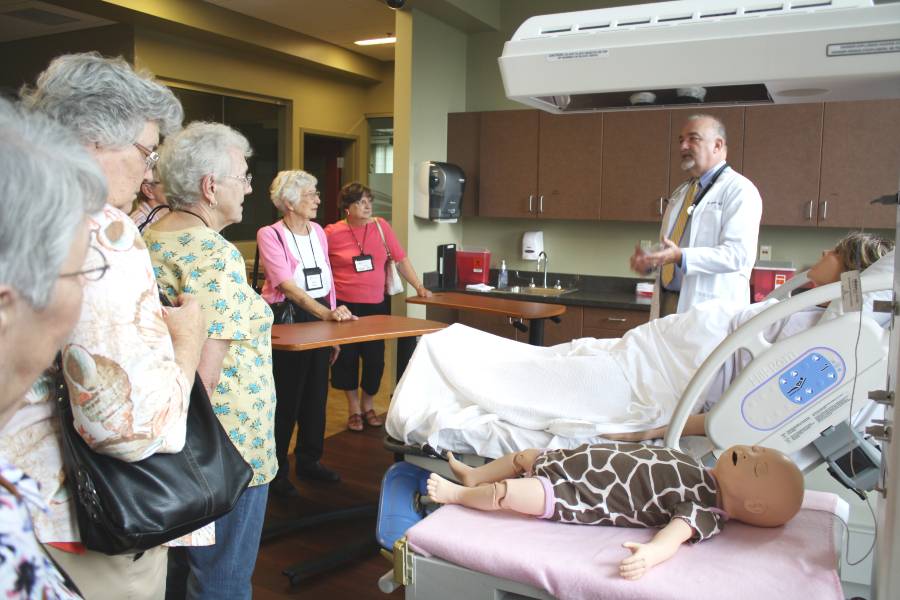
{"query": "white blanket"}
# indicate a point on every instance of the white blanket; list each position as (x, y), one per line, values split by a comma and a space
(468, 390)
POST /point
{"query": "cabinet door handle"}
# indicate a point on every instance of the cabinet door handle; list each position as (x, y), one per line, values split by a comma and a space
(809, 212)
(617, 319)
(825, 210)
(530, 201)
(541, 204)
(661, 201)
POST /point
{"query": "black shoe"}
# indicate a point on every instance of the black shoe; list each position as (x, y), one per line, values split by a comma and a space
(283, 488)
(318, 472)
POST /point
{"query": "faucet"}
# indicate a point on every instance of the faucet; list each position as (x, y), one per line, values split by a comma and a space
(543, 257)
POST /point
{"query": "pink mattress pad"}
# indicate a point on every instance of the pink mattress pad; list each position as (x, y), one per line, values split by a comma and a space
(798, 560)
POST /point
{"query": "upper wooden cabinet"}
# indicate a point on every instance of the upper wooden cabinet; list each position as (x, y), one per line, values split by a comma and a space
(635, 166)
(463, 141)
(782, 157)
(860, 162)
(733, 120)
(569, 166)
(816, 165)
(508, 163)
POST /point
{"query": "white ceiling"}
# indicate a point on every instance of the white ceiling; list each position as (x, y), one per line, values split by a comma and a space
(340, 22)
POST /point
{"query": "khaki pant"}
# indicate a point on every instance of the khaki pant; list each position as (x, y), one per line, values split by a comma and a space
(102, 577)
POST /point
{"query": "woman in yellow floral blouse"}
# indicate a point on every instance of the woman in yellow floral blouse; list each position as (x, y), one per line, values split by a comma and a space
(204, 170)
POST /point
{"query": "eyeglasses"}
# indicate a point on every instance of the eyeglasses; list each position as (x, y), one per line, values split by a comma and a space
(245, 179)
(364, 200)
(151, 157)
(96, 266)
(316, 193)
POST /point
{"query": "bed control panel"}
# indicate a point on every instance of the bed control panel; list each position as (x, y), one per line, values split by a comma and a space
(792, 390)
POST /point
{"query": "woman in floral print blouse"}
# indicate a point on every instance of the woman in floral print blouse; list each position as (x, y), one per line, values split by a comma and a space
(204, 170)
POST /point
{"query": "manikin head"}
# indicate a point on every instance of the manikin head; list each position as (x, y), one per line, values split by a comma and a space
(758, 486)
(856, 250)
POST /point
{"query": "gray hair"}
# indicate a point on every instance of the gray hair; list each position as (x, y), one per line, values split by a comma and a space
(287, 186)
(104, 100)
(48, 182)
(718, 126)
(198, 150)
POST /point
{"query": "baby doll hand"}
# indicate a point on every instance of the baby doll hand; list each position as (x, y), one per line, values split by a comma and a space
(640, 561)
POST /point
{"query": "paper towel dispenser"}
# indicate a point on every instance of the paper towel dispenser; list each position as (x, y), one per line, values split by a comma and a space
(438, 191)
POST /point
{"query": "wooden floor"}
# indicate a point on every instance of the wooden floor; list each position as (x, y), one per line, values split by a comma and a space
(361, 460)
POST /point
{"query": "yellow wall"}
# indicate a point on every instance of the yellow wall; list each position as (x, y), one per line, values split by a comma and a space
(319, 101)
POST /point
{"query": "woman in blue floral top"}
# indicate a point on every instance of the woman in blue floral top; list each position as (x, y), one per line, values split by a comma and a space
(204, 170)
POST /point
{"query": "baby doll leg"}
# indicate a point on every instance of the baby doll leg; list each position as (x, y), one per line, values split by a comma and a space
(505, 467)
(525, 496)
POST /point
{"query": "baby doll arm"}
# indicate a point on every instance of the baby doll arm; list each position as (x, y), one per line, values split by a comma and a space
(662, 547)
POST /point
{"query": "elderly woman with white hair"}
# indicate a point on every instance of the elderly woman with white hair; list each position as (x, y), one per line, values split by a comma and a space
(294, 253)
(48, 183)
(130, 364)
(204, 170)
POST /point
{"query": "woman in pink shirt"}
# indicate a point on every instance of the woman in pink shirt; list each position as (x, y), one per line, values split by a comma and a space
(358, 250)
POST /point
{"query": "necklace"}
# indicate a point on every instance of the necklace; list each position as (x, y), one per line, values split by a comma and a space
(190, 212)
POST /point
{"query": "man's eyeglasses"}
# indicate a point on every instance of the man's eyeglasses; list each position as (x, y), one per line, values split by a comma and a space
(95, 266)
(245, 179)
(151, 157)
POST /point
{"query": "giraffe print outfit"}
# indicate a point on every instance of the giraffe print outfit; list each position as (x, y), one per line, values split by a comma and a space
(629, 485)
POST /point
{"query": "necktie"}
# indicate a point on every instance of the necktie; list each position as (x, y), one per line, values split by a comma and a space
(668, 270)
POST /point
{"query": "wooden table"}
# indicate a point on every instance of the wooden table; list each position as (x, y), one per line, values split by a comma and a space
(320, 334)
(535, 312)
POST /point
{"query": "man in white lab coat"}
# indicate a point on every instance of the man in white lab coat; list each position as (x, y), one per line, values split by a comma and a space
(710, 229)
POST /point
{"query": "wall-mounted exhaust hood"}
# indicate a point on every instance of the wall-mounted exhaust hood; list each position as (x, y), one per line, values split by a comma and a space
(705, 52)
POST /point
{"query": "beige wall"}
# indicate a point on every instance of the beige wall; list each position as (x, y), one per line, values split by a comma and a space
(434, 56)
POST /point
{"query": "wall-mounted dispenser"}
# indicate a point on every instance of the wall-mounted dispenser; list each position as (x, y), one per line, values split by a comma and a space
(438, 191)
(532, 244)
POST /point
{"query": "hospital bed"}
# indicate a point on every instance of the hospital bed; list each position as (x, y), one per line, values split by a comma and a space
(795, 395)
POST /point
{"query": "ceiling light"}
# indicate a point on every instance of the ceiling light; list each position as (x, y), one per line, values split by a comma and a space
(374, 41)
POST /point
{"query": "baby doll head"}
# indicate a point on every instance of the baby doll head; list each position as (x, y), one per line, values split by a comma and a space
(758, 486)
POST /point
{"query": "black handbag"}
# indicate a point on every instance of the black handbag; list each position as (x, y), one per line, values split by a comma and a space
(126, 508)
(285, 312)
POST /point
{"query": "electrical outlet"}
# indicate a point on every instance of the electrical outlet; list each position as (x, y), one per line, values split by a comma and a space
(765, 253)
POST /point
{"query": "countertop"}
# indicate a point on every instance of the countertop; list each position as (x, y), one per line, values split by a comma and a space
(591, 290)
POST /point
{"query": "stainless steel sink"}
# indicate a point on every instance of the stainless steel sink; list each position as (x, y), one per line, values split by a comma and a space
(535, 291)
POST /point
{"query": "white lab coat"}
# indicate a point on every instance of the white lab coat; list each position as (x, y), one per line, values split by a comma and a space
(721, 250)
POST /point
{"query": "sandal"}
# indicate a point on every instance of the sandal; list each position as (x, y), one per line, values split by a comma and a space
(355, 422)
(372, 420)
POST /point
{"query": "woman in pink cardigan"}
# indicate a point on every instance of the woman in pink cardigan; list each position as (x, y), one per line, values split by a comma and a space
(294, 253)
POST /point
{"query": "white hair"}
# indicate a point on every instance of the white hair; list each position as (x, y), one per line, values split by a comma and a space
(287, 186)
(103, 99)
(48, 182)
(198, 150)
(718, 126)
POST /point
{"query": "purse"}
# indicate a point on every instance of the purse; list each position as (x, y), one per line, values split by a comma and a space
(126, 508)
(392, 282)
(285, 312)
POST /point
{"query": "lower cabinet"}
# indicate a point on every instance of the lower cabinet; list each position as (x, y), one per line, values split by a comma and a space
(575, 323)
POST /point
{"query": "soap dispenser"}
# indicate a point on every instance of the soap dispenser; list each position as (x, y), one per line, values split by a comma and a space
(503, 276)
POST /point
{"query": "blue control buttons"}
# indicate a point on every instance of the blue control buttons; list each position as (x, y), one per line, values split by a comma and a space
(808, 378)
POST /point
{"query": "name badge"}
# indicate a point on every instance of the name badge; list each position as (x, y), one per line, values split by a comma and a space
(363, 263)
(313, 278)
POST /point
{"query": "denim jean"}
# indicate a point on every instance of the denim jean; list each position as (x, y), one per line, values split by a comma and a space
(224, 571)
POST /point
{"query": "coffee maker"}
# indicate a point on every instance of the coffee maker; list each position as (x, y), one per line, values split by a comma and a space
(446, 266)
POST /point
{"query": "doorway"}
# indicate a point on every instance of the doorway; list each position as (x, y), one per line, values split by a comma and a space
(330, 159)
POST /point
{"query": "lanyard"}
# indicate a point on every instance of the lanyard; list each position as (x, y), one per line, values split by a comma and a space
(309, 237)
(365, 233)
(702, 193)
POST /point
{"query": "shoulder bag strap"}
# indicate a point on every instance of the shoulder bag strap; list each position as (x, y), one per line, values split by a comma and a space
(383, 241)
